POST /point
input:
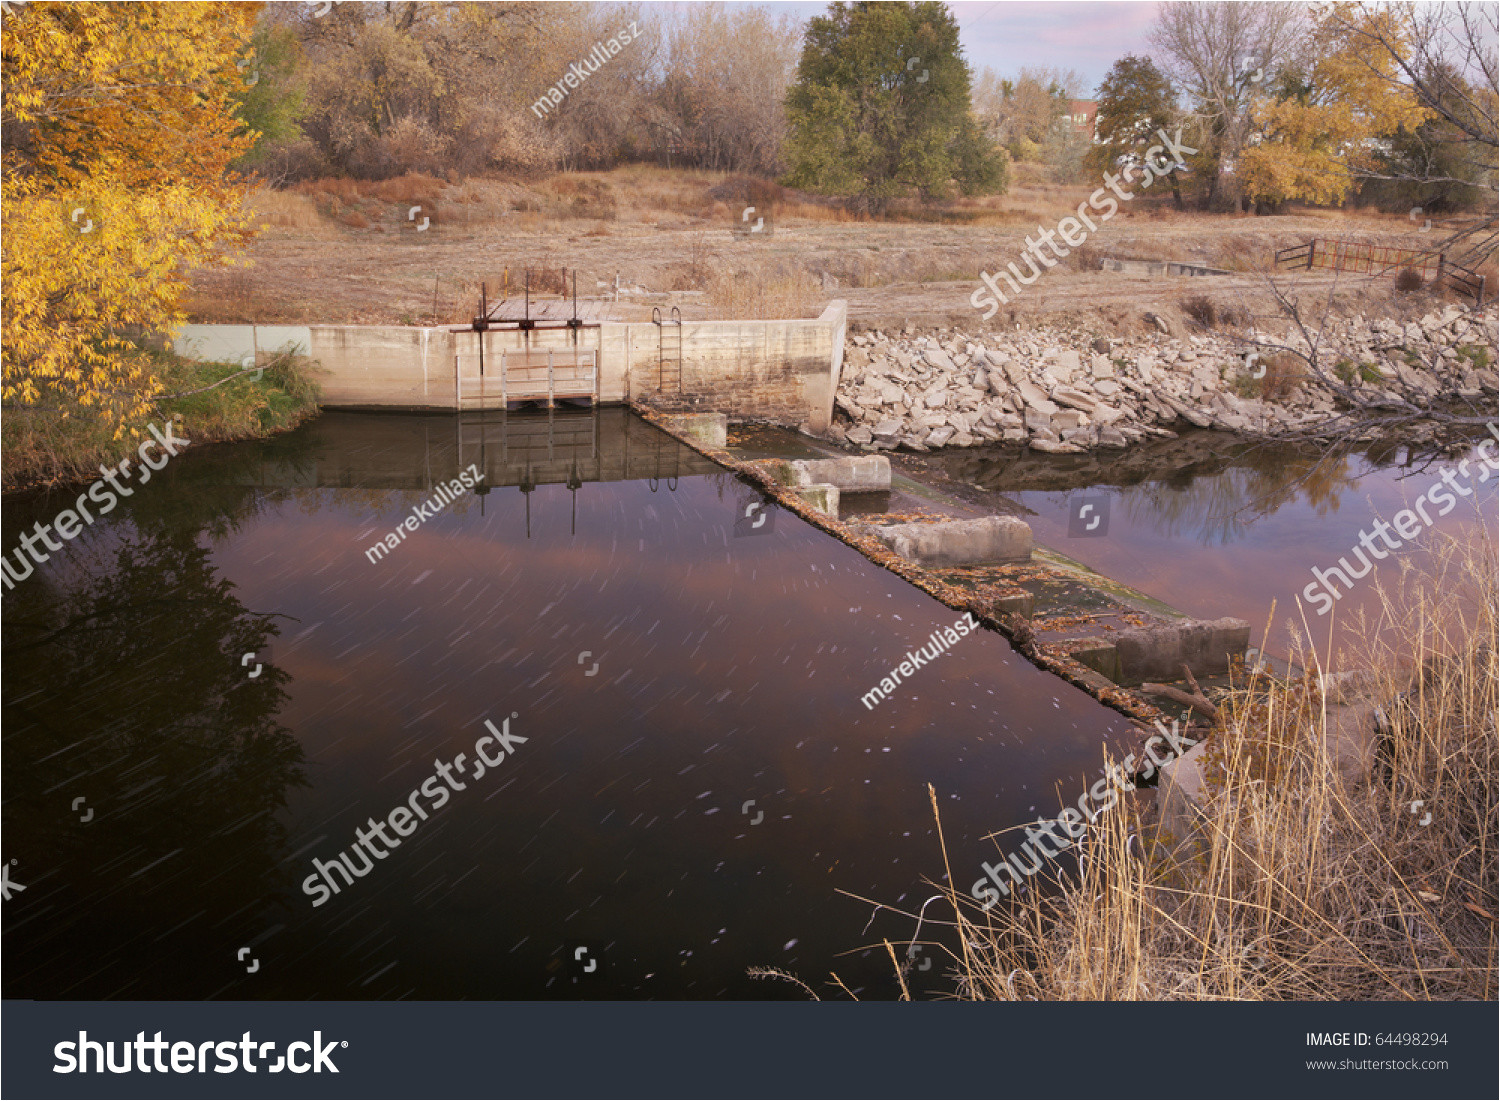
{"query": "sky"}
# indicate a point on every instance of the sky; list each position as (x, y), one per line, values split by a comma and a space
(1085, 35)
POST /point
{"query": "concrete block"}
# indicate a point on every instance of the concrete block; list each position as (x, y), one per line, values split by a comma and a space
(1020, 603)
(1158, 653)
(709, 428)
(960, 542)
(1180, 793)
(824, 498)
(1099, 655)
(852, 474)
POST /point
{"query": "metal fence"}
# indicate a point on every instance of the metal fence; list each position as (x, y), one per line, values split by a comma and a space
(1372, 259)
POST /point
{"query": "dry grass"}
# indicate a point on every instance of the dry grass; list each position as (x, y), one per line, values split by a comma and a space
(236, 296)
(287, 209)
(914, 266)
(1284, 373)
(763, 289)
(1299, 883)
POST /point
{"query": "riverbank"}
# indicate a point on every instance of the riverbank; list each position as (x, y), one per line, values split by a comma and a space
(1071, 390)
(1392, 897)
(211, 402)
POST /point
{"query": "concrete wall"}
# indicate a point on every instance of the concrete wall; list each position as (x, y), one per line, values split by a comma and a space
(1152, 267)
(784, 371)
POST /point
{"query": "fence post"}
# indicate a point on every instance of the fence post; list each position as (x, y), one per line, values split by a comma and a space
(1438, 282)
(550, 402)
(1311, 248)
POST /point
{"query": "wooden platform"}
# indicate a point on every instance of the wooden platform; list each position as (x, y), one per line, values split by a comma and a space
(553, 311)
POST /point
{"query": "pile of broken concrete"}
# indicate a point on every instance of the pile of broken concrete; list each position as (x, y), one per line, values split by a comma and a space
(1072, 392)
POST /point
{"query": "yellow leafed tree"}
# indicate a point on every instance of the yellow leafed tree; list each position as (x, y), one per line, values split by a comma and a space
(119, 127)
(1317, 127)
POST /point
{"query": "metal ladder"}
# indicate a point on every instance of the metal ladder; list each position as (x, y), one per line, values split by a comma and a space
(662, 367)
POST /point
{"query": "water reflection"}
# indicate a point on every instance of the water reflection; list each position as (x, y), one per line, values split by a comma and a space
(667, 673)
(1216, 526)
(145, 770)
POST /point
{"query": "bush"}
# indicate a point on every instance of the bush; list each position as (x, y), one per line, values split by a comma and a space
(1201, 310)
(1024, 149)
(1283, 375)
(1237, 316)
(214, 401)
(1477, 354)
(1088, 258)
(1408, 280)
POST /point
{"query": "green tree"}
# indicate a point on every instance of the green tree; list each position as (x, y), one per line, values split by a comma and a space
(1135, 100)
(274, 102)
(880, 108)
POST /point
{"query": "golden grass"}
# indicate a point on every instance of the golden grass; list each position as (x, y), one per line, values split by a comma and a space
(288, 209)
(1308, 877)
(237, 296)
(763, 289)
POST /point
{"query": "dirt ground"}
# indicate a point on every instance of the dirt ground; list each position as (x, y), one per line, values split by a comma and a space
(364, 260)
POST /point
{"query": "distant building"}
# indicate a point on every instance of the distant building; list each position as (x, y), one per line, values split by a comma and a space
(1083, 117)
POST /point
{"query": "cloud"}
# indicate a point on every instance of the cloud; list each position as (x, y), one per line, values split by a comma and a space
(1088, 37)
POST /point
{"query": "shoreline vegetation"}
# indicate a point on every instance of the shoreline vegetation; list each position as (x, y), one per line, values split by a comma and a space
(1341, 847)
(216, 402)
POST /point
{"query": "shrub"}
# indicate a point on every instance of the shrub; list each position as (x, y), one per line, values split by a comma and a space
(1477, 354)
(1087, 258)
(1408, 280)
(1283, 375)
(1201, 310)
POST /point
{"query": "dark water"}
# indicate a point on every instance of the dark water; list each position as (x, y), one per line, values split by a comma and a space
(1217, 527)
(215, 686)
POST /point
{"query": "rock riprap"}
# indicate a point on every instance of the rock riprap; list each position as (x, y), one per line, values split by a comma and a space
(1055, 391)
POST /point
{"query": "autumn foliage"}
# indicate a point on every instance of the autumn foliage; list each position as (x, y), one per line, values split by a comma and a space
(119, 127)
(1322, 130)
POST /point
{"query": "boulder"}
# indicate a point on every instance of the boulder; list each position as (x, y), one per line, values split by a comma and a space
(1036, 398)
(1068, 395)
